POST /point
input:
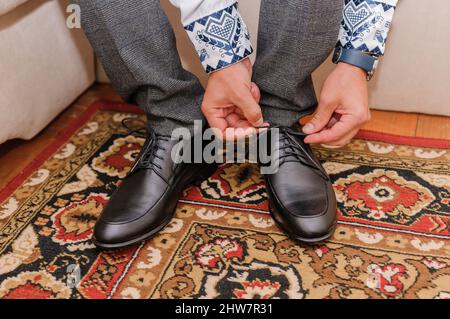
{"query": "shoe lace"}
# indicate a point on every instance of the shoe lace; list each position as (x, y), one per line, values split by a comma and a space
(151, 146)
(293, 151)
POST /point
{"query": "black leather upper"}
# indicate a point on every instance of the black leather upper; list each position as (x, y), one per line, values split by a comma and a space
(147, 198)
(301, 195)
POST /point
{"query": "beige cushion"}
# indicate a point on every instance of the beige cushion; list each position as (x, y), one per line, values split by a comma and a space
(8, 5)
(44, 67)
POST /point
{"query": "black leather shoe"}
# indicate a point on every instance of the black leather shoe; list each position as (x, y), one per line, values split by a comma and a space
(301, 197)
(146, 200)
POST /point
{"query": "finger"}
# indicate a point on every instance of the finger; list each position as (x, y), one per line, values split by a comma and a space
(354, 122)
(334, 119)
(251, 109)
(347, 138)
(224, 111)
(233, 119)
(254, 89)
(215, 118)
(239, 133)
(320, 119)
(237, 121)
(242, 122)
(217, 123)
(343, 140)
(239, 112)
(333, 134)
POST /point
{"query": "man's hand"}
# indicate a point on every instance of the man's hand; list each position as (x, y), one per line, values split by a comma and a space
(343, 107)
(231, 99)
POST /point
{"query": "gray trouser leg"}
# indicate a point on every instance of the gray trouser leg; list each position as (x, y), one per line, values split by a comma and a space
(136, 45)
(295, 37)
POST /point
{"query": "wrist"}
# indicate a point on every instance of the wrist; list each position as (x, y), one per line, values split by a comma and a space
(238, 66)
(360, 59)
(227, 68)
(357, 71)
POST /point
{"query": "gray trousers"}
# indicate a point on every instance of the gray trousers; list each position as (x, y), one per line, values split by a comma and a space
(136, 45)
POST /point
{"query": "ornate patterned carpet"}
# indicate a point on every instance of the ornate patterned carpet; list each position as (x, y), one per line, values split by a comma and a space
(392, 240)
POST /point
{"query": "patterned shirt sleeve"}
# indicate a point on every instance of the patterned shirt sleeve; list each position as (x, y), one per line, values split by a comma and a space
(366, 25)
(217, 31)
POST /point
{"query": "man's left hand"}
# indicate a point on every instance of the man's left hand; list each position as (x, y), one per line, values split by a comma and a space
(343, 107)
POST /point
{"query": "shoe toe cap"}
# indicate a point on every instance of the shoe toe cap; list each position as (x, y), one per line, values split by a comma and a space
(307, 227)
(107, 235)
(313, 229)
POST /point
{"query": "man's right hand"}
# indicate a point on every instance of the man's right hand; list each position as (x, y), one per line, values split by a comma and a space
(231, 100)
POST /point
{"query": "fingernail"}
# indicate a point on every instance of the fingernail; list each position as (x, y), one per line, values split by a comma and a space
(308, 128)
(259, 123)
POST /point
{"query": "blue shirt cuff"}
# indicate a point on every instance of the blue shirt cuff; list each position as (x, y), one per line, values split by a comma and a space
(220, 39)
(366, 24)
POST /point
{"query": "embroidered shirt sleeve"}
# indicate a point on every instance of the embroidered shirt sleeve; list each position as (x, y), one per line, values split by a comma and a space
(365, 25)
(217, 31)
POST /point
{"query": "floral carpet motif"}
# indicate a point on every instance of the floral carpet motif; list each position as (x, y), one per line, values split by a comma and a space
(392, 239)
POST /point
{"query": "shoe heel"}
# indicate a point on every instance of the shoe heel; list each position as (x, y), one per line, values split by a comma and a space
(204, 174)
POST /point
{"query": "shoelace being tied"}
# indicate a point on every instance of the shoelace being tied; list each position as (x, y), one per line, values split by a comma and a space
(151, 147)
(290, 149)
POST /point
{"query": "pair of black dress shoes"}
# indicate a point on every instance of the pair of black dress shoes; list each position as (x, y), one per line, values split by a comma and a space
(301, 196)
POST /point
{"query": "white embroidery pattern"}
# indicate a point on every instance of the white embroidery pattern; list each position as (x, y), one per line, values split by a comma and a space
(221, 39)
(366, 25)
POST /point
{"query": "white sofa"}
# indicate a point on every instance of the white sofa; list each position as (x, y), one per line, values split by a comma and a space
(44, 65)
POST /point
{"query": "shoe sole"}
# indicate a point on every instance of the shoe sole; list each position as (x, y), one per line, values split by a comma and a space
(306, 240)
(133, 241)
(203, 175)
(314, 240)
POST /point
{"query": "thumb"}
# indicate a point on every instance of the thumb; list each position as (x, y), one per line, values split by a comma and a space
(248, 64)
(254, 89)
(251, 109)
(320, 119)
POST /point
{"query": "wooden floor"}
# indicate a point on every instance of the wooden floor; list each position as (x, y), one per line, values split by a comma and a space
(16, 154)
